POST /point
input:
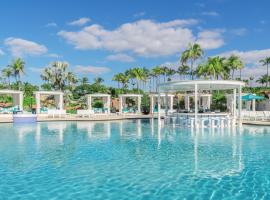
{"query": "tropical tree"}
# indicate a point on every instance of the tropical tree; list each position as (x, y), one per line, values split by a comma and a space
(213, 68)
(264, 79)
(234, 63)
(169, 73)
(156, 73)
(121, 78)
(140, 76)
(192, 53)
(183, 70)
(56, 75)
(17, 67)
(84, 81)
(266, 62)
(72, 80)
(7, 73)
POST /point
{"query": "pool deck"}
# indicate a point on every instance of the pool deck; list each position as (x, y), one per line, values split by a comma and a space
(258, 123)
(109, 117)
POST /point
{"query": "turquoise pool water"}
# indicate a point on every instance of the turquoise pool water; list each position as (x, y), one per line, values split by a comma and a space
(132, 160)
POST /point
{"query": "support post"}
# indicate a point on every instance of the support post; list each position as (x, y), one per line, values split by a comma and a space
(166, 103)
(196, 105)
(151, 104)
(139, 104)
(120, 104)
(253, 105)
(234, 106)
(240, 105)
(171, 103)
(109, 104)
(61, 102)
(37, 103)
(158, 101)
(89, 102)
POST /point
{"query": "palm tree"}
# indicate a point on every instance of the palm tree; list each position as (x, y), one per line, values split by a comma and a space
(266, 62)
(117, 78)
(234, 63)
(72, 79)
(84, 80)
(17, 67)
(264, 79)
(169, 73)
(183, 70)
(7, 73)
(213, 68)
(191, 54)
(139, 75)
(98, 80)
(156, 72)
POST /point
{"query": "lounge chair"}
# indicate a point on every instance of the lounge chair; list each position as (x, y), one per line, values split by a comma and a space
(55, 113)
(85, 113)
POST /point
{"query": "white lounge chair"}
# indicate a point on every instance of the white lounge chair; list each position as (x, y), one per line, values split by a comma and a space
(85, 113)
(57, 113)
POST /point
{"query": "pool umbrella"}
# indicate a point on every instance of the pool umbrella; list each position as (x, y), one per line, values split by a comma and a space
(253, 98)
(250, 97)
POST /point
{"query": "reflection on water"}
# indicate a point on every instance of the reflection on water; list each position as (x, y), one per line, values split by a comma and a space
(143, 152)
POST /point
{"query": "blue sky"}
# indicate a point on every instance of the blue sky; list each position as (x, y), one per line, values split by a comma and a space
(101, 38)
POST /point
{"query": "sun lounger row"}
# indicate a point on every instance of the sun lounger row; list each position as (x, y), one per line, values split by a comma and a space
(256, 115)
(56, 113)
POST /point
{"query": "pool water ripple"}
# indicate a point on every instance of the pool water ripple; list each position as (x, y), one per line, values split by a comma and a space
(133, 159)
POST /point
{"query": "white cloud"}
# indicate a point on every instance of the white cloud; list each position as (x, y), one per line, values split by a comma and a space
(253, 71)
(20, 47)
(2, 52)
(249, 57)
(239, 31)
(120, 57)
(80, 22)
(210, 13)
(210, 39)
(51, 24)
(92, 69)
(144, 37)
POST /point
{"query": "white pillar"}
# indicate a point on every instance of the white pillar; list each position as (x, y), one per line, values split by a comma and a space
(21, 101)
(151, 104)
(196, 105)
(240, 104)
(209, 102)
(166, 104)
(139, 104)
(234, 104)
(158, 101)
(253, 105)
(120, 104)
(61, 102)
(37, 103)
(89, 102)
(171, 102)
(109, 104)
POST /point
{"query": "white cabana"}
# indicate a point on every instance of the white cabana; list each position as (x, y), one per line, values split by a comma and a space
(197, 86)
(154, 100)
(58, 96)
(16, 95)
(122, 102)
(106, 98)
(204, 100)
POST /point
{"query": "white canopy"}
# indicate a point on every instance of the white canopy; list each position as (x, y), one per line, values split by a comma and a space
(16, 95)
(105, 97)
(122, 98)
(58, 95)
(200, 85)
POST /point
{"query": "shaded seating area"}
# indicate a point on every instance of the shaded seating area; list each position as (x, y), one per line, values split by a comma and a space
(208, 119)
(16, 102)
(54, 109)
(99, 103)
(163, 99)
(130, 103)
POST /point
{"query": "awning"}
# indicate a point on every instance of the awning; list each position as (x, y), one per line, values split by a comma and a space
(250, 97)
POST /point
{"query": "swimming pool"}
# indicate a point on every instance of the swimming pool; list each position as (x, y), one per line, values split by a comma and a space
(133, 159)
